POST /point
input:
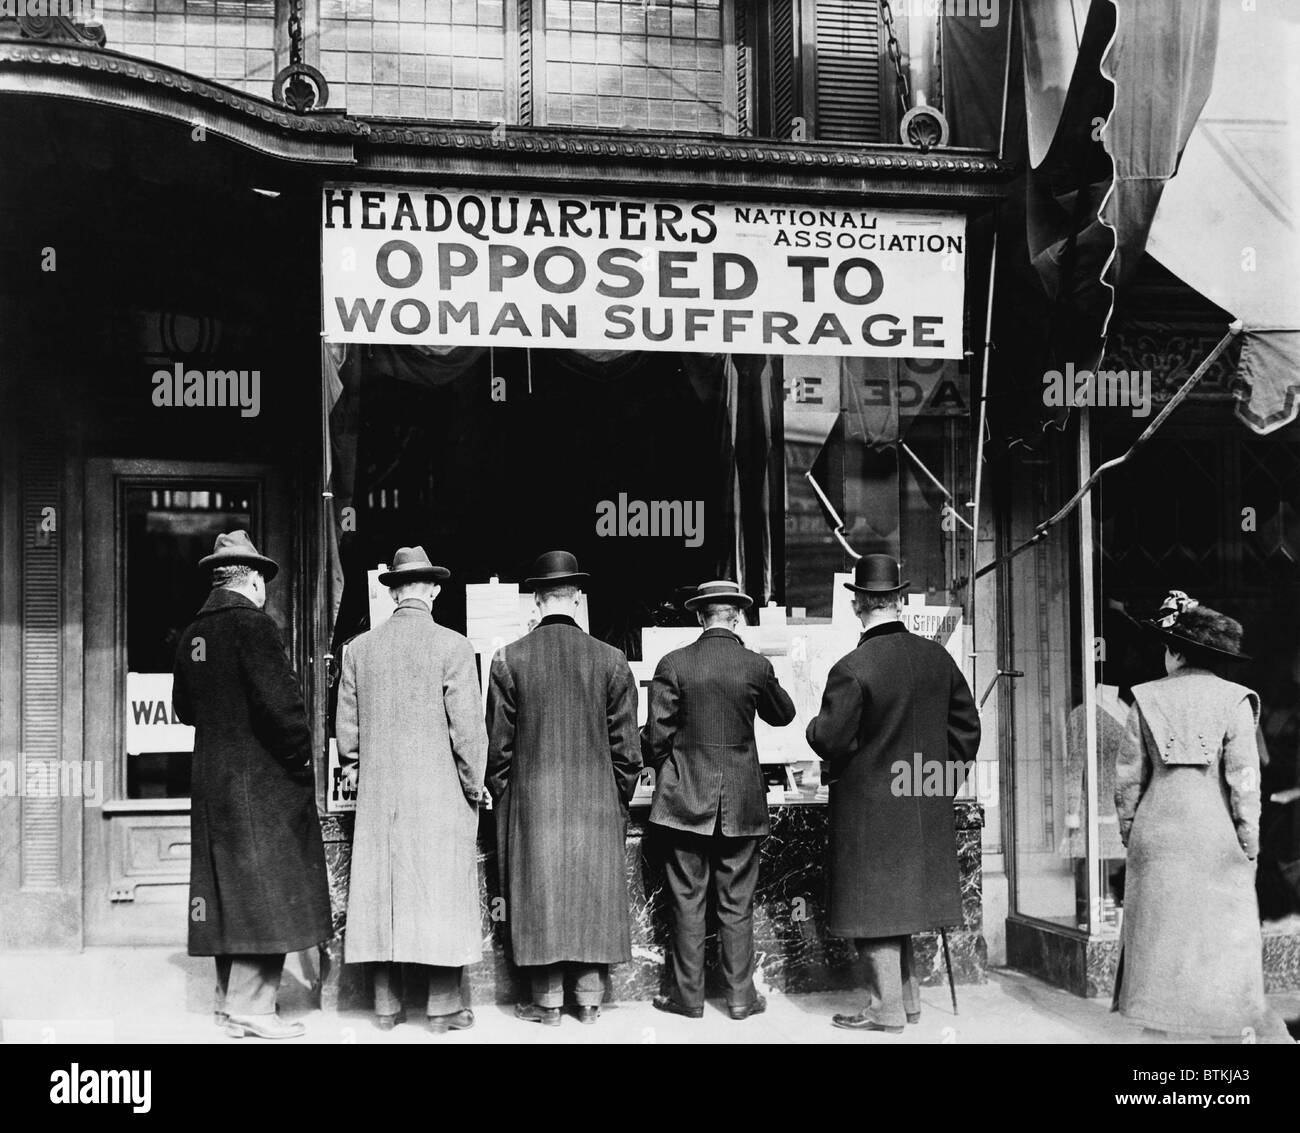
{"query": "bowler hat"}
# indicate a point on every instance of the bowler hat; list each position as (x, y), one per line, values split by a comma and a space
(554, 568)
(411, 564)
(876, 574)
(718, 591)
(1188, 627)
(236, 549)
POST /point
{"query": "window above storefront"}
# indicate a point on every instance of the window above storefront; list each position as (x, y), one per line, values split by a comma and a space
(793, 70)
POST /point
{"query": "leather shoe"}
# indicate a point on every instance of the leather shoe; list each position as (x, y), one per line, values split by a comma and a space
(672, 1007)
(913, 1016)
(587, 1014)
(457, 1021)
(756, 1008)
(388, 1022)
(863, 1022)
(531, 1013)
(263, 1027)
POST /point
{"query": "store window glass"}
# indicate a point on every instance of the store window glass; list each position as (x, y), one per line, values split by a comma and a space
(232, 41)
(169, 525)
(887, 444)
(633, 65)
(1042, 638)
(1156, 533)
(441, 59)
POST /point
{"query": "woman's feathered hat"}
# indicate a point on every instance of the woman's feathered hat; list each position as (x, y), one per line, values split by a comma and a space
(1188, 627)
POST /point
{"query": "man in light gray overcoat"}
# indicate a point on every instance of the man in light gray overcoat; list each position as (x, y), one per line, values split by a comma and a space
(412, 742)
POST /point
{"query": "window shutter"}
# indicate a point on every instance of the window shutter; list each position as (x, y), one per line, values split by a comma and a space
(40, 827)
(784, 72)
(846, 37)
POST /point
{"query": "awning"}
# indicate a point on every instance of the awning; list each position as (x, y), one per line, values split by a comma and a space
(1228, 223)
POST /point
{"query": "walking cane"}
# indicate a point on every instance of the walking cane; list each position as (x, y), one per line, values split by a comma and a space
(947, 963)
(943, 932)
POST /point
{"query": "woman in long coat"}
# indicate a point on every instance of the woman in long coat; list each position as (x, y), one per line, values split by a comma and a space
(1187, 795)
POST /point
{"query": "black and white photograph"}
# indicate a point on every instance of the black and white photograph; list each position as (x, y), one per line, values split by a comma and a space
(577, 523)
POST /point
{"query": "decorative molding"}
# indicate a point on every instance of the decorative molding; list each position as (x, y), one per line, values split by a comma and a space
(54, 28)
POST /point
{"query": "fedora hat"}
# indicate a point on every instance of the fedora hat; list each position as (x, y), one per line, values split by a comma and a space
(411, 564)
(1188, 627)
(877, 574)
(554, 568)
(718, 591)
(236, 549)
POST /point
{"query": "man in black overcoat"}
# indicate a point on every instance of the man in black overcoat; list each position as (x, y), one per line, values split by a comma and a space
(258, 886)
(710, 807)
(563, 761)
(896, 731)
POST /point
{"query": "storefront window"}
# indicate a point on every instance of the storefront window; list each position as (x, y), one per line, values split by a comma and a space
(169, 526)
(416, 58)
(232, 41)
(888, 442)
(1157, 533)
(632, 65)
(1043, 638)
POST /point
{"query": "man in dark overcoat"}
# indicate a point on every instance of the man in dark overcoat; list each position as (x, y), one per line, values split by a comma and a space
(258, 887)
(710, 807)
(896, 731)
(563, 761)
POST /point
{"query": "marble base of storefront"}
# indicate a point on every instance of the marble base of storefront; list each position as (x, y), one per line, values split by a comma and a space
(1086, 965)
(794, 953)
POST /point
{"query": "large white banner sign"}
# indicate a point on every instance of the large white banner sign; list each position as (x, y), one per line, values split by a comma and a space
(455, 268)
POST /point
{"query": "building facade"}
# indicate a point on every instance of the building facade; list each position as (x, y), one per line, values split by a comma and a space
(170, 214)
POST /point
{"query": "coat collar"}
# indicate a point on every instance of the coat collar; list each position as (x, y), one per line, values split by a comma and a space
(416, 606)
(558, 620)
(720, 631)
(882, 630)
(223, 598)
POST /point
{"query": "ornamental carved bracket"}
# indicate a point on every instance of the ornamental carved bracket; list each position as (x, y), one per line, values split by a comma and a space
(44, 22)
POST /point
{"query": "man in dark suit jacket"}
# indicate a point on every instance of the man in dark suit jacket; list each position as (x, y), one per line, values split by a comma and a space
(893, 846)
(710, 804)
(563, 761)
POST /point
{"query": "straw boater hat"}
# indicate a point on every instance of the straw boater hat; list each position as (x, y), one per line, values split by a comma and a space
(236, 549)
(877, 574)
(721, 590)
(411, 564)
(554, 569)
(1188, 627)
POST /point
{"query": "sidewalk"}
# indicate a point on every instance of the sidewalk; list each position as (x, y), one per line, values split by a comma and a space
(161, 995)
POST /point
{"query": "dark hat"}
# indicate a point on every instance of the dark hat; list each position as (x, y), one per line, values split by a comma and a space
(876, 574)
(555, 568)
(411, 564)
(1188, 627)
(236, 549)
(720, 591)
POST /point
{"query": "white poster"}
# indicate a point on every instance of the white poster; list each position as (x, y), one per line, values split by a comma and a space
(338, 798)
(456, 267)
(151, 725)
